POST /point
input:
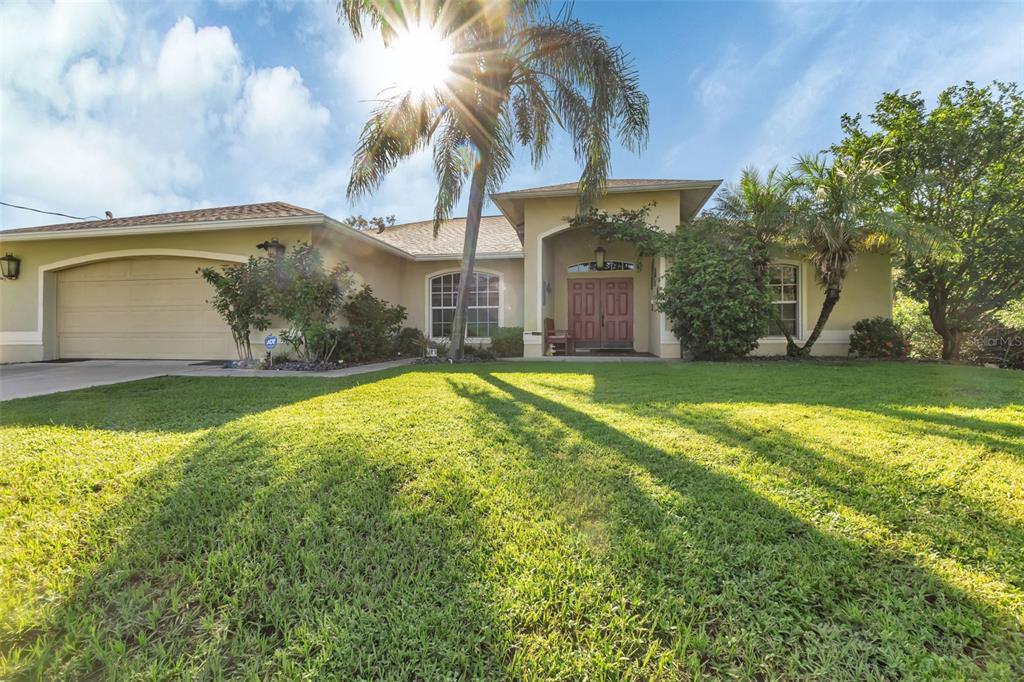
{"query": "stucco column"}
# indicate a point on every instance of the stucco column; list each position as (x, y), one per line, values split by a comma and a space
(533, 315)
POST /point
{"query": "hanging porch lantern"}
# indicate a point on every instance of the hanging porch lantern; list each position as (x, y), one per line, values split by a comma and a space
(599, 258)
(10, 266)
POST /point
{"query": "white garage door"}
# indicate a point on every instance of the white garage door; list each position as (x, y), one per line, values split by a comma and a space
(151, 307)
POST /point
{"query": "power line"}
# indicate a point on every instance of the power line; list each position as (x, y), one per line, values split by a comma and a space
(63, 215)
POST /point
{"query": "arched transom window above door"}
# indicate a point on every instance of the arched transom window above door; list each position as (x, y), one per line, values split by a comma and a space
(484, 310)
(609, 265)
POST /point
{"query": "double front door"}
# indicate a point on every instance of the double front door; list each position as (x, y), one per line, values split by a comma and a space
(601, 312)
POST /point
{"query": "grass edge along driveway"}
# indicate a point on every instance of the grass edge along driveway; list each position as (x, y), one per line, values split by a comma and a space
(756, 520)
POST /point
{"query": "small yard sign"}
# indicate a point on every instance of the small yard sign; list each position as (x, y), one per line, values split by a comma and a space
(270, 342)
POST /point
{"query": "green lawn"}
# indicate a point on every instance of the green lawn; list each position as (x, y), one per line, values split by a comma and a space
(756, 520)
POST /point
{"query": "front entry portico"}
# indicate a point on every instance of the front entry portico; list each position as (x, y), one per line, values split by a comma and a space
(601, 313)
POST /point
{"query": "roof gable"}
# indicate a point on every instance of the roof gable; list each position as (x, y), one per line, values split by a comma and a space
(693, 194)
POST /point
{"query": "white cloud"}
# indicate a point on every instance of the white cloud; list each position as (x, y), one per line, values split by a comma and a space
(138, 121)
(38, 40)
(278, 105)
(198, 63)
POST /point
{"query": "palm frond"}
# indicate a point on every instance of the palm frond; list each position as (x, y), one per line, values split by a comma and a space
(453, 159)
(395, 131)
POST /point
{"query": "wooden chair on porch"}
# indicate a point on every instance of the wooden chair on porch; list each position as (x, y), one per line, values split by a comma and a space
(553, 338)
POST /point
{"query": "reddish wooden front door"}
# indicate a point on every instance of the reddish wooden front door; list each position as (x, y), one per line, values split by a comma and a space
(601, 313)
(584, 316)
(617, 313)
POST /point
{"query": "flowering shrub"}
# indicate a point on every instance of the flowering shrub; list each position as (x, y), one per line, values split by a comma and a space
(878, 337)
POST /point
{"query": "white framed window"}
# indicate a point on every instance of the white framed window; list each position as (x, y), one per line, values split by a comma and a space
(483, 314)
(784, 288)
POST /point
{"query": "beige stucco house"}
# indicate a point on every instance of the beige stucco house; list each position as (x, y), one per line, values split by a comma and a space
(128, 287)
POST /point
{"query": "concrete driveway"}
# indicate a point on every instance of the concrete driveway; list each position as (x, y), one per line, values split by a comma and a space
(40, 378)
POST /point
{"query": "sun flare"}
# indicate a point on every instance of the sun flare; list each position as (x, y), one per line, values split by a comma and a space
(422, 61)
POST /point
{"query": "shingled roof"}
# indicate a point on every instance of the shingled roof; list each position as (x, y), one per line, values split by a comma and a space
(272, 209)
(497, 236)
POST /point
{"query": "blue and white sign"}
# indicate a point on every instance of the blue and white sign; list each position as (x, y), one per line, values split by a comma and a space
(270, 342)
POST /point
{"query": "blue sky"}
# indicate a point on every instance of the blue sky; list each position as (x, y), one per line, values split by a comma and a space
(146, 107)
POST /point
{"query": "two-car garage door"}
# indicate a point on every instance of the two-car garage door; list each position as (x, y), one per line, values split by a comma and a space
(146, 307)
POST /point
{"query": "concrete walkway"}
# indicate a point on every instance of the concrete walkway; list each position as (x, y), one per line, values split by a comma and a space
(43, 378)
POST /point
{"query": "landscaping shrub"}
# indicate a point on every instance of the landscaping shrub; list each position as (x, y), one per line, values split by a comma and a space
(409, 341)
(373, 326)
(309, 298)
(911, 318)
(714, 294)
(507, 342)
(878, 337)
(240, 299)
(480, 352)
(442, 346)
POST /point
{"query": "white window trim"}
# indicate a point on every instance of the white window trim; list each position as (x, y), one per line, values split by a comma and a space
(428, 320)
(800, 299)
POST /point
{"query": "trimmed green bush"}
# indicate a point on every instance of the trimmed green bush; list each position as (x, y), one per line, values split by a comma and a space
(507, 342)
(715, 294)
(373, 327)
(409, 342)
(878, 337)
(481, 352)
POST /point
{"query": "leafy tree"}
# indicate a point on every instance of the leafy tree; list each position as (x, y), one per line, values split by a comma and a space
(912, 319)
(1012, 315)
(240, 298)
(517, 72)
(627, 225)
(363, 224)
(956, 172)
(836, 217)
(714, 294)
(310, 299)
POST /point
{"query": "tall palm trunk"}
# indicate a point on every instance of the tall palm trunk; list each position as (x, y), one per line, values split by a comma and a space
(477, 189)
(831, 298)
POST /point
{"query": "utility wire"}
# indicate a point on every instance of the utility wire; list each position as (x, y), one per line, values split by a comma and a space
(63, 215)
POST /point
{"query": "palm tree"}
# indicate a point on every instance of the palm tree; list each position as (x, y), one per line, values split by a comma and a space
(764, 206)
(516, 72)
(837, 215)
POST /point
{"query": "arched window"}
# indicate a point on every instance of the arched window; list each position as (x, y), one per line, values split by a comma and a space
(591, 266)
(483, 314)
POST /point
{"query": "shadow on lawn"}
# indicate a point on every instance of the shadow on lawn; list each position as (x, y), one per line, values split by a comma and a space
(953, 524)
(253, 555)
(256, 553)
(726, 562)
(174, 404)
(900, 391)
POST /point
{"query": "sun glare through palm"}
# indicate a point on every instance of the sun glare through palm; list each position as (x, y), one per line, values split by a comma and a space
(422, 60)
